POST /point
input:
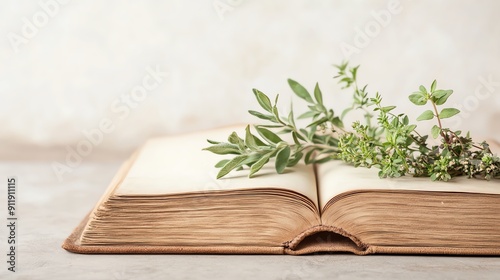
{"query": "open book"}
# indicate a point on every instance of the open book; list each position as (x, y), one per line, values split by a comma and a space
(166, 199)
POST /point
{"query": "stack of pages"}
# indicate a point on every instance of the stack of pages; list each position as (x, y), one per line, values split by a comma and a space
(165, 199)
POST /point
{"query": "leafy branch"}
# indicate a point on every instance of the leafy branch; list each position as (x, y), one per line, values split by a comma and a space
(391, 144)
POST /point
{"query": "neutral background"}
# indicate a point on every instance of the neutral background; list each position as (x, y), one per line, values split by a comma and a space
(70, 71)
(68, 67)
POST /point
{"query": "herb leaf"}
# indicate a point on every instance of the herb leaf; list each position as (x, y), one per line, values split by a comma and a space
(448, 113)
(268, 135)
(383, 138)
(232, 164)
(282, 159)
(300, 91)
(263, 100)
(426, 115)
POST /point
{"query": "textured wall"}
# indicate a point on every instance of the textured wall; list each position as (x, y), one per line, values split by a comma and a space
(69, 68)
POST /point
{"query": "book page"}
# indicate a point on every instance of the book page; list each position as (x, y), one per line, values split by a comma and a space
(337, 177)
(177, 164)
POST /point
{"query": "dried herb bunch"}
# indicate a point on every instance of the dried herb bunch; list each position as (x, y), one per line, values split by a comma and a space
(382, 139)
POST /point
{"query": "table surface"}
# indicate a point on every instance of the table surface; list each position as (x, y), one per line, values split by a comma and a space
(49, 209)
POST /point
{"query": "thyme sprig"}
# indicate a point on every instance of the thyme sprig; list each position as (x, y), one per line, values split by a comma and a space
(390, 142)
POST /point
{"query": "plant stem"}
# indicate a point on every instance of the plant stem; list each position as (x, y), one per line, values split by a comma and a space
(439, 121)
(321, 146)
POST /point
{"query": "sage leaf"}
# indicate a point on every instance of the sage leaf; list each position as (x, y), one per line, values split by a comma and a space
(259, 164)
(318, 122)
(295, 160)
(323, 160)
(221, 163)
(223, 149)
(268, 135)
(250, 139)
(318, 95)
(309, 156)
(336, 121)
(236, 140)
(232, 164)
(291, 117)
(263, 100)
(262, 116)
(300, 91)
(282, 159)
(213, 142)
(276, 114)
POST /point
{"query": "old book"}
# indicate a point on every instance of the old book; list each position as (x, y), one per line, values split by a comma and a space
(166, 199)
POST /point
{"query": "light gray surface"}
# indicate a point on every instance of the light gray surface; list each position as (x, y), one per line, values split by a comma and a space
(49, 210)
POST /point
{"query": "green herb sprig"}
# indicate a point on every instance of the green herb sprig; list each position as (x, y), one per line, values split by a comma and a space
(389, 143)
